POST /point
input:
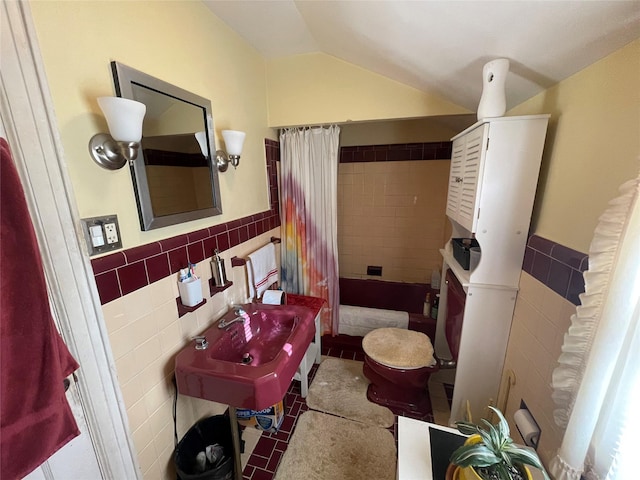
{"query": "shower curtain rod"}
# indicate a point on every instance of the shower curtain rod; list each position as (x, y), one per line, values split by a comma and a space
(309, 127)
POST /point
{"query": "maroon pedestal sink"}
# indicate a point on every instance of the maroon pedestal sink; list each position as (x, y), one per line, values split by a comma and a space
(250, 363)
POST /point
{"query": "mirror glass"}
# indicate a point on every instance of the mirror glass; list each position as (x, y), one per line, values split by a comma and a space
(174, 176)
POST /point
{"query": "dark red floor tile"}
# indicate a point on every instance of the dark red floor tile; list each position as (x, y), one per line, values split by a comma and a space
(272, 466)
(259, 474)
(247, 472)
(264, 447)
(258, 461)
(287, 424)
(294, 410)
(289, 399)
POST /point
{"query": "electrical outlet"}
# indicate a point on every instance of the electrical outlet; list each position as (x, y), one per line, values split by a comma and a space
(101, 234)
(111, 232)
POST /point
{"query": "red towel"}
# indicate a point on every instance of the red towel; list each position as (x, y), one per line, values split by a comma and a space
(35, 418)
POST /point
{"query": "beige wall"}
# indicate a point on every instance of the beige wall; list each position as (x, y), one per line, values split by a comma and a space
(540, 320)
(317, 89)
(593, 145)
(182, 43)
(429, 129)
(391, 214)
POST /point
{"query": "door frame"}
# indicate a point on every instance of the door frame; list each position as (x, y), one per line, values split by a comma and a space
(29, 123)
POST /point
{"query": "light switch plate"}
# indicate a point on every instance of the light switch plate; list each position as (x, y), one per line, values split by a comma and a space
(102, 234)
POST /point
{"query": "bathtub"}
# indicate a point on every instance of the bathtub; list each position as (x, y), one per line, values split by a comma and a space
(394, 304)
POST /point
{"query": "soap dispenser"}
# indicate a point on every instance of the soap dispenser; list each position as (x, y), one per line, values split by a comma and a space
(219, 273)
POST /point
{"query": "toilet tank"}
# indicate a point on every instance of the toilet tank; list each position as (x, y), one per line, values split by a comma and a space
(456, 298)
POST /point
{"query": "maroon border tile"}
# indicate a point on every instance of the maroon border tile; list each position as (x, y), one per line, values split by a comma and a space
(132, 277)
(576, 287)
(178, 259)
(108, 286)
(195, 252)
(143, 251)
(223, 241)
(234, 237)
(568, 256)
(198, 235)
(558, 267)
(396, 152)
(210, 246)
(541, 244)
(174, 242)
(559, 277)
(110, 262)
(157, 267)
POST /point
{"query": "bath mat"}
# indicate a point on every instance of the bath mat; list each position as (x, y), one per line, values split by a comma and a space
(339, 387)
(326, 447)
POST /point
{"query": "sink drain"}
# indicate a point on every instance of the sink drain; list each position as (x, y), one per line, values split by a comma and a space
(247, 358)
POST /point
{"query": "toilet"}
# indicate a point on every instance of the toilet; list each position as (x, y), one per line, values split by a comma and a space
(399, 362)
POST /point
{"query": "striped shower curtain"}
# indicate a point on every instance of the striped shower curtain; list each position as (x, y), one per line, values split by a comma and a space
(309, 178)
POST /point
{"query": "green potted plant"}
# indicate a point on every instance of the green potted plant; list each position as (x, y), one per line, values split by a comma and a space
(490, 454)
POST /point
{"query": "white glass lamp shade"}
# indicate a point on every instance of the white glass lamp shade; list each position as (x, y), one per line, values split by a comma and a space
(233, 140)
(201, 138)
(124, 118)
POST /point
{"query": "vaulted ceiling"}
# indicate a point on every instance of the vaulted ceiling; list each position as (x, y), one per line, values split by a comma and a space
(441, 46)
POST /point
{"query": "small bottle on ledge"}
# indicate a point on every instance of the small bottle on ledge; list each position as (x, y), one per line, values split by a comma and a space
(426, 311)
(434, 307)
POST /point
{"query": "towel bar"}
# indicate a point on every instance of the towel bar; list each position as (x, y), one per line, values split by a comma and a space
(240, 262)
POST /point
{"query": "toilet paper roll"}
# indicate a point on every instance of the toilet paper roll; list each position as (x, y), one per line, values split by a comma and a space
(274, 297)
(527, 427)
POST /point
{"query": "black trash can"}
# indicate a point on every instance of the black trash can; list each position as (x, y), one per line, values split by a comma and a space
(210, 431)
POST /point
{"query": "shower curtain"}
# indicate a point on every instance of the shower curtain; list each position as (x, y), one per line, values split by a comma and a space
(309, 177)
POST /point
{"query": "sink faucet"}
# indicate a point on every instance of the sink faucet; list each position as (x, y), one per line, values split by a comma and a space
(224, 324)
(239, 310)
(241, 317)
(201, 342)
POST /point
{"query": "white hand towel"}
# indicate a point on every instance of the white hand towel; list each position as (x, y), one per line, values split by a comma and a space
(263, 268)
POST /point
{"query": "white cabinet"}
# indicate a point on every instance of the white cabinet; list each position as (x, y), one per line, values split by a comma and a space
(494, 174)
(467, 160)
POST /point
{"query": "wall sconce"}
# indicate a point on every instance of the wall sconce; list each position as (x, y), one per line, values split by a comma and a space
(124, 118)
(233, 140)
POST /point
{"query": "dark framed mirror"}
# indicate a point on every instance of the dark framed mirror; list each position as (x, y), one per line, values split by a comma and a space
(174, 177)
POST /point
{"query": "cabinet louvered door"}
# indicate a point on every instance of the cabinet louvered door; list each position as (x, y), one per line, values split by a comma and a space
(475, 146)
(455, 177)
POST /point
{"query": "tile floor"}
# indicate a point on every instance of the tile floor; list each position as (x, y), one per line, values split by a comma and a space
(267, 453)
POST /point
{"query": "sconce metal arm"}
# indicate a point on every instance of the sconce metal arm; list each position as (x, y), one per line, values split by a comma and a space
(111, 154)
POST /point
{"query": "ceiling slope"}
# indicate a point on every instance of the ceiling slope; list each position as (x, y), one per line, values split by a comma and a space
(441, 46)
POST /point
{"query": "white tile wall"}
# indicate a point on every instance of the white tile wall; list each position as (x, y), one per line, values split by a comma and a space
(145, 335)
